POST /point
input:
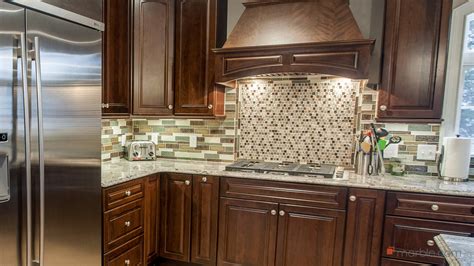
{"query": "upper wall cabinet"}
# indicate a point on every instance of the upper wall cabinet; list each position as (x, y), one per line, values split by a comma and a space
(415, 51)
(153, 32)
(117, 59)
(199, 29)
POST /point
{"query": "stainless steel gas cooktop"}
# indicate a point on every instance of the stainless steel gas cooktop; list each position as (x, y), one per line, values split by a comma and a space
(285, 168)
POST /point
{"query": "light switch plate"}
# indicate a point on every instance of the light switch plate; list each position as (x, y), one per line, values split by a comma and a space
(193, 141)
(426, 152)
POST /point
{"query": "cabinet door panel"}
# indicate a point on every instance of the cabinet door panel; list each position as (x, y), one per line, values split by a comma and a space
(152, 212)
(176, 205)
(247, 232)
(309, 236)
(153, 55)
(194, 72)
(415, 52)
(204, 222)
(117, 59)
(365, 217)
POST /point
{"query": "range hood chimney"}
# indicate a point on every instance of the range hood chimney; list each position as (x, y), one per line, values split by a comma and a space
(294, 36)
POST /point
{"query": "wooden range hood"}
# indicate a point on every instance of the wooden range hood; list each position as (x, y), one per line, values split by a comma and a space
(294, 36)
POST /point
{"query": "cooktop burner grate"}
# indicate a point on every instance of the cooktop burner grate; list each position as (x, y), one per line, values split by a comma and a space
(284, 168)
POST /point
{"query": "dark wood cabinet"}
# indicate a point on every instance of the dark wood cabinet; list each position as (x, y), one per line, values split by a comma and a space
(153, 57)
(130, 254)
(117, 58)
(152, 215)
(204, 220)
(415, 53)
(390, 262)
(199, 28)
(176, 204)
(247, 232)
(365, 215)
(309, 236)
(412, 239)
(259, 223)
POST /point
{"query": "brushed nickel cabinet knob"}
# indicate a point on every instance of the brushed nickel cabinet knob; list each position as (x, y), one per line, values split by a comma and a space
(204, 179)
(187, 182)
(434, 207)
(352, 198)
(282, 213)
(170, 107)
(383, 108)
(210, 106)
(127, 262)
(128, 193)
(430, 243)
(273, 212)
(128, 223)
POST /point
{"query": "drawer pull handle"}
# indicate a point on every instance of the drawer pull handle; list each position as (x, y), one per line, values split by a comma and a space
(282, 213)
(187, 182)
(273, 212)
(127, 262)
(435, 207)
(128, 223)
(128, 193)
(204, 179)
(430, 243)
(352, 198)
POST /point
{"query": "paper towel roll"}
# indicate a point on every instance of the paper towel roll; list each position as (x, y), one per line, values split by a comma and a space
(456, 158)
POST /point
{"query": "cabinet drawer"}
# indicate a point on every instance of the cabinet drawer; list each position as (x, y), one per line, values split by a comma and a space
(390, 262)
(122, 194)
(301, 194)
(130, 254)
(456, 209)
(413, 239)
(123, 224)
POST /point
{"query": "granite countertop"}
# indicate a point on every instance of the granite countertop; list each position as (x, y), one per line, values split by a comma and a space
(458, 250)
(114, 173)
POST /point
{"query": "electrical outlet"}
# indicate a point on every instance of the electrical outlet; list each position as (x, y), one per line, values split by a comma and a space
(426, 152)
(193, 141)
(154, 138)
(123, 140)
(391, 151)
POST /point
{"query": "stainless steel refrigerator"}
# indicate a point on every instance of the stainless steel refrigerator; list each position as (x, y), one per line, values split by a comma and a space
(50, 95)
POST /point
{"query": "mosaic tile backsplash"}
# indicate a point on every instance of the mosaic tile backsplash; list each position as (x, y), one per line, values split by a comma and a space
(215, 138)
(301, 120)
(304, 119)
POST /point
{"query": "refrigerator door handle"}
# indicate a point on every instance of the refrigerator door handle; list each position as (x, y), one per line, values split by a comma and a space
(39, 98)
(26, 114)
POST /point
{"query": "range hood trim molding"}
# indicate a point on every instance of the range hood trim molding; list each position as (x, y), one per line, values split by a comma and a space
(348, 59)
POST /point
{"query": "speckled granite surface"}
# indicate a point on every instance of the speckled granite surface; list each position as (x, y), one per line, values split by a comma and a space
(123, 171)
(458, 250)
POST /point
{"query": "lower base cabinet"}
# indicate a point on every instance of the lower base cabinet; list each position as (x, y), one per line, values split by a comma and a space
(264, 233)
(390, 262)
(130, 254)
(364, 228)
(189, 218)
(180, 219)
(247, 232)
